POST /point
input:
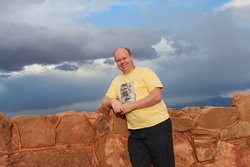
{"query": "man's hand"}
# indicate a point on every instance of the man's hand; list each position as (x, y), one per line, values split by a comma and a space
(116, 105)
(127, 107)
(153, 98)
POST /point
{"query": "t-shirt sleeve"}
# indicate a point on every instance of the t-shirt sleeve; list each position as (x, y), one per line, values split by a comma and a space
(152, 80)
(112, 91)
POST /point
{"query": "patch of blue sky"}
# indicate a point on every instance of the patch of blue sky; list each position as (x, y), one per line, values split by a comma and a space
(118, 16)
(208, 5)
(159, 14)
(132, 16)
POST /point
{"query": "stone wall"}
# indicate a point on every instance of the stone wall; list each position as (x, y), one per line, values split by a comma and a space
(203, 137)
(213, 136)
(67, 139)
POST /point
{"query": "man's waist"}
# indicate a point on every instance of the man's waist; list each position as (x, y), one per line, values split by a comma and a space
(142, 122)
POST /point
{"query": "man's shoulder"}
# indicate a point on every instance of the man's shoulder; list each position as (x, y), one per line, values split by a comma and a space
(143, 68)
(117, 78)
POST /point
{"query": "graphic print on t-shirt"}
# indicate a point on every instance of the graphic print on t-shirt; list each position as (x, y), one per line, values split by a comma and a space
(127, 92)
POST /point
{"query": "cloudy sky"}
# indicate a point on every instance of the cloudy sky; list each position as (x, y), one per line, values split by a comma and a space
(56, 55)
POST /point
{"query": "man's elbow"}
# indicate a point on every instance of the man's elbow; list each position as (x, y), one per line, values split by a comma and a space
(158, 98)
(106, 101)
(157, 95)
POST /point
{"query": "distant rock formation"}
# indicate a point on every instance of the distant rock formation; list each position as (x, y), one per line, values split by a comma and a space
(203, 137)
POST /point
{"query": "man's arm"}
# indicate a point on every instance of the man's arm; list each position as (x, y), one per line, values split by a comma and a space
(114, 103)
(106, 101)
(153, 98)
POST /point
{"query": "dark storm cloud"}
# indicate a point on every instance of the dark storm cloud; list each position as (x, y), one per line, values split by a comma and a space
(186, 49)
(218, 59)
(109, 61)
(67, 67)
(12, 5)
(24, 44)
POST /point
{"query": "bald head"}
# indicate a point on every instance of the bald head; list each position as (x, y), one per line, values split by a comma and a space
(123, 49)
(124, 60)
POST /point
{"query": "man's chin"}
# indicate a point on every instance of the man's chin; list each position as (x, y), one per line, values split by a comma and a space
(122, 69)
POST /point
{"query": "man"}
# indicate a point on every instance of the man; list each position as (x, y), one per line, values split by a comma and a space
(137, 94)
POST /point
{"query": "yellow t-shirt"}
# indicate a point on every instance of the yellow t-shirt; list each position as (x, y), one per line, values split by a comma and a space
(135, 86)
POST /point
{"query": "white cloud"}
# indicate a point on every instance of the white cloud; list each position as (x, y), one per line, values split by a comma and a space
(53, 13)
(34, 69)
(239, 11)
(164, 46)
(234, 4)
(37, 69)
(94, 69)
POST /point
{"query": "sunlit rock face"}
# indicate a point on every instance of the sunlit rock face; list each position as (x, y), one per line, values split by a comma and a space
(213, 136)
(203, 137)
(66, 139)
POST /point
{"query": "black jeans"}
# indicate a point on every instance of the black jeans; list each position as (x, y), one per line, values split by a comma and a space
(153, 145)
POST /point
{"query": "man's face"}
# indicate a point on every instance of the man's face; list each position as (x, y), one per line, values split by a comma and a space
(124, 61)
